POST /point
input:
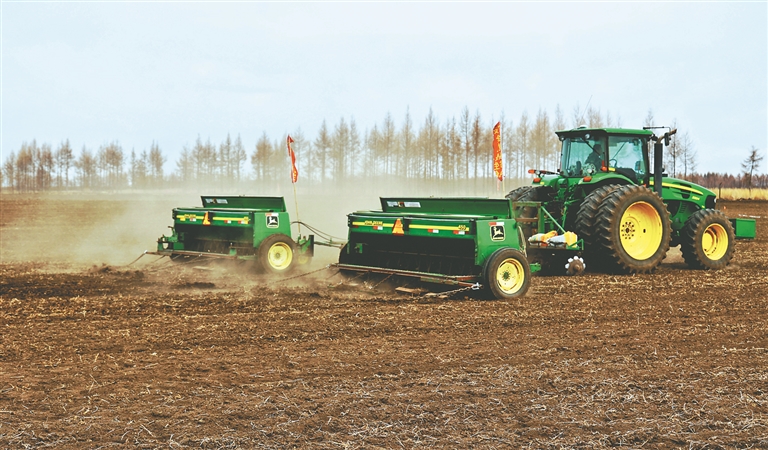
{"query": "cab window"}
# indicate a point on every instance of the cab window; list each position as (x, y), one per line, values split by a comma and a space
(626, 155)
(582, 155)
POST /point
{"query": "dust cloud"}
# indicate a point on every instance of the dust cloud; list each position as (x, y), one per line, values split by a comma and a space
(114, 228)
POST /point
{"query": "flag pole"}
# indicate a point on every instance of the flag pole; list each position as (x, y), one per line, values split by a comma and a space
(296, 201)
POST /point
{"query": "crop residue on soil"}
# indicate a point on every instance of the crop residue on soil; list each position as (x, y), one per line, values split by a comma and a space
(162, 355)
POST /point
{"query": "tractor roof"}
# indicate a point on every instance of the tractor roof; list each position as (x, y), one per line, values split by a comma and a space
(613, 131)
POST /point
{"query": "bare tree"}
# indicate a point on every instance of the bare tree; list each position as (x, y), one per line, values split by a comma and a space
(111, 160)
(594, 117)
(394, 159)
(476, 139)
(322, 147)
(45, 167)
(140, 169)
(750, 165)
(521, 143)
(9, 169)
(450, 150)
(226, 169)
(687, 154)
(577, 116)
(185, 166)
(64, 158)
(428, 143)
(156, 162)
(464, 131)
(86, 167)
(542, 143)
(353, 148)
(25, 166)
(260, 159)
(648, 122)
(407, 139)
(239, 156)
(373, 145)
(339, 146)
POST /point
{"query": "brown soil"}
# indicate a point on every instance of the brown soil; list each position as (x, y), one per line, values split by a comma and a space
(162, 355)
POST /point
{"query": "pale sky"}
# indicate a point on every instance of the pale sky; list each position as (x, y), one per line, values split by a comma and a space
(136, 72)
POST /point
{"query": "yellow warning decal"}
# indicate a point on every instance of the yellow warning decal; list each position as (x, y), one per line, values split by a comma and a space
(398, 227)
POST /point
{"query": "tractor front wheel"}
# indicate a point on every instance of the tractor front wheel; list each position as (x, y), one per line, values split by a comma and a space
(633, 230)
(507, 274)
(707, 241)
(276, 254)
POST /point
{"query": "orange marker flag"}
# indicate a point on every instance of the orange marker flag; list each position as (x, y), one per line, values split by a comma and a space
(294, 171)
(497, 152)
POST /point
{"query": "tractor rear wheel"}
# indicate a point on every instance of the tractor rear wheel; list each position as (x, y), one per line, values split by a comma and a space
(506, 274)
(633, 230)
(276, 254)
(707, 240)
(585, 222)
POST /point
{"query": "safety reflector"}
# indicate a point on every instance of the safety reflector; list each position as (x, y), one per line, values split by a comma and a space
(398, 227)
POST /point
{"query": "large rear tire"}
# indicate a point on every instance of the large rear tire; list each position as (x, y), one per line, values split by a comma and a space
(585, 222)
(707, 240)
(633, 230)
(506, 274)
(276, 254)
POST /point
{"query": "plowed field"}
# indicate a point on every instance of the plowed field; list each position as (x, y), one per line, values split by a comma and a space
(94, 354)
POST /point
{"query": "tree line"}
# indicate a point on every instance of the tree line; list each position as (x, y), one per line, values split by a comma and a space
(435, 150)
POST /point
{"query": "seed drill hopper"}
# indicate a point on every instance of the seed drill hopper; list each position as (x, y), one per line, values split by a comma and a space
(244, 228)
(467, 242)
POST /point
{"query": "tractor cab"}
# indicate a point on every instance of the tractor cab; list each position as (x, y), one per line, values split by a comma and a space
(586, 152)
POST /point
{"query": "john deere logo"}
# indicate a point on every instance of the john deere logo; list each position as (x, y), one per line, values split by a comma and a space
(497, 231)
(272, 221)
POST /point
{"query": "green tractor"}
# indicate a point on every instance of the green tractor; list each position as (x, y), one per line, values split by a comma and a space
(625, 214)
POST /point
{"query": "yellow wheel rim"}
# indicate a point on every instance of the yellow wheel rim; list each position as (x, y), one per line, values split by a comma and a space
(714, 241)
(641, 230)
(280, 256)
(510, 276)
